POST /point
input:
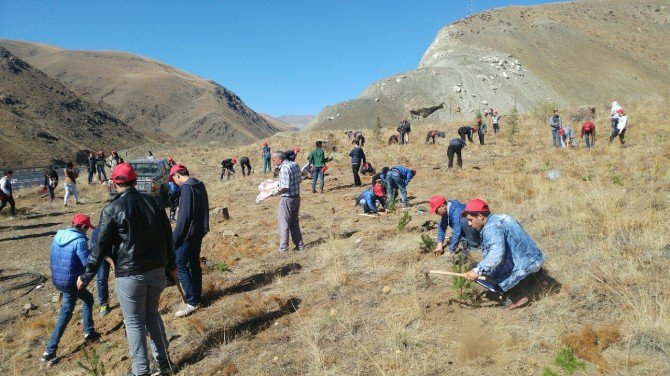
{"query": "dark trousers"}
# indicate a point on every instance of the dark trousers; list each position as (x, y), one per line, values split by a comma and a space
(590, 139)
(50, 190)
(246, 166)
(189, 270)
(612, 137)
(431, 139)
(12, 205)
(101, 174)
(450, 154)
(496, 128)
(355, 167)
(402, 138)
(173, 197)
(91, 172)
(226, 172)
(481, 132)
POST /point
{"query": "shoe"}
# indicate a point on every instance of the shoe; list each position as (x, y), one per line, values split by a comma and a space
(164, 368)
(509, 305)
(92, 336)
(104, 309)
(313, 190)
(186, 311)
(46, 357)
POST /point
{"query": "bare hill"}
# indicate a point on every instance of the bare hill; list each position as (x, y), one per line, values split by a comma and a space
(280, 125)
(151, 93)
(43, 120)
(586, 52)
(298, 121)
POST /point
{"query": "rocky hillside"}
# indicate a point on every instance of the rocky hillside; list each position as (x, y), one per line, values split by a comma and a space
(150, 93)
(298, 121)
(586, 52)
(43, 120)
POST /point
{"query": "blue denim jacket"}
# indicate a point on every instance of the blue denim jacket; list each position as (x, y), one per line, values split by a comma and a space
(510, 254)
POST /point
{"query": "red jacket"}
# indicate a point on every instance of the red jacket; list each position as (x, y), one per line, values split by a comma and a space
(588, 126)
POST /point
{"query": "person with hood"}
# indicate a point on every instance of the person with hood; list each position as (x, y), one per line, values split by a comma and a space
(317, 159)
(481, 130)
(69, 256)
(456, 145)
(192, 226)
(466, 131)
(430, 137)
(6, 193)
(227, 168)
(100, 167)
(71, 173)
(357, 156)
(620, 127)
(556, 124)
(369, 198)
(245, 165)
(589, 130)
(510, 255)
(614, 118)
(90, 167)
(266, 152)
(51, 182)
(399, 177)
(450, 213)
(135, 233)
(495, 119)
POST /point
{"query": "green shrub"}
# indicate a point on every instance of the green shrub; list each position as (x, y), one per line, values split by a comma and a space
(427, 243)
(94, 365)
(568, 362)
(222, 266)
(404, 220)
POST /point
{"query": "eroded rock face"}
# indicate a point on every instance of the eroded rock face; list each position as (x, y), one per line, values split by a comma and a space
(584, 113)
(425, 111)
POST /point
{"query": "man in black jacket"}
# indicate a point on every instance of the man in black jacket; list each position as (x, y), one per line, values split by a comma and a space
(135, 233)
(357, 158)
(192, 225)
(50, 182)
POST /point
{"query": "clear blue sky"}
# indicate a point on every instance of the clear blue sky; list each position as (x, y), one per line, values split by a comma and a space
(280, 57)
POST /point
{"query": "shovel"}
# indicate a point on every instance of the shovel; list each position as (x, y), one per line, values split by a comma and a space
(486, 283)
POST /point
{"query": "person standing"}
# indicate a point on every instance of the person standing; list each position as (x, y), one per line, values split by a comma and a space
(51, 182)
(173, 196)
(399, 177)
(100, 166)
(451, 216)
(404, 129)
(136, 234)
(102, 277)
(6, 195)
(456, 145)
(317, 159)
(90, 167)
(589, 130)
(289, 202)
(357, 158)
(614, 118)
(495, 119)
(71, 174)
(69, 256)
(245, 164)
(267, 153)
(481, 130)
(192, 226)
(466, 131)
(556, 124)
(114, 159)
(620, 127)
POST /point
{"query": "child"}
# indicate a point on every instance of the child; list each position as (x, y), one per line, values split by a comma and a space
(69, 255)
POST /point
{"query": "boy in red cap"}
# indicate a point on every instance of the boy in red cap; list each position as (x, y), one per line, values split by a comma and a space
(510, 254)
(451, 213)
(589, 130)
(69, 256)
(369, 198)
(227, 168)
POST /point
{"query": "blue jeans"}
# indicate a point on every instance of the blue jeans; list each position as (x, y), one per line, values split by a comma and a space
(103, 280)
(614, 131)
(590, 139)
(189, 270)
(556, 137)
(101, 174)
(267, 167)
(67, 307)
(317, 172)
(393, 181)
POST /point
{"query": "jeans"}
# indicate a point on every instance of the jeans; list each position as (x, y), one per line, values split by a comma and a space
(614, 131)
(12, 205)
(139, 296)
(71, 190)
(317, 172)
(50, 190)
(266, 163)
(355, 167)
(451, 150)
(481, 132)
(289, 222)
(103, 283)
(556, 137)
(67, 307)
(402, 138)
(189, 269)
(101, 174)
(621, 136)
(496, 128)
(590, 139)
(246, 166)
(393, 181)
(91, 172)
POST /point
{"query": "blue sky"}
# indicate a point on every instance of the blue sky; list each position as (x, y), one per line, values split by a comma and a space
(280, 57)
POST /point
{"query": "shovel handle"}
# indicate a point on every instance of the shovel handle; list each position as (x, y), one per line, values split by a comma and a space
(453, 274)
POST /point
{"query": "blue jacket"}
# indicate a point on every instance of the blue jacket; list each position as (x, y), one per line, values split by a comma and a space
(403, 172)
(457, 142)
(174, 187)
(69, 255)
(510, 254)
(451, 219)
(193, 220)
(370, 201)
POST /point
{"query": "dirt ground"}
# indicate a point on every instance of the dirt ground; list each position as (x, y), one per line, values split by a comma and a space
(355, 301)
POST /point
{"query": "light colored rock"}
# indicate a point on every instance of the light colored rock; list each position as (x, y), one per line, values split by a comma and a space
(386, 290)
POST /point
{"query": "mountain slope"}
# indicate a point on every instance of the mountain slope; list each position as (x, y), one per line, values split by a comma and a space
(43, 120)
(183, 105)
(585, 52)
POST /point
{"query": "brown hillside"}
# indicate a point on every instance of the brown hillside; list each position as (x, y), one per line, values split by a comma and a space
(43, 120)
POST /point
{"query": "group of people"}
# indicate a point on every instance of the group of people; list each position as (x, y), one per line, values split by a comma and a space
(565, 136)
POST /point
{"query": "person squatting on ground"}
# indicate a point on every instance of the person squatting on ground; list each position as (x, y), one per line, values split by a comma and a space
(51, 182)
(100, 167)
(266, 152)
(71, 174)
(510, 254)
(466, 131)
(556, 124)
(589, 133)
(481, 130)
(289, 202)
(456, 146)
(614, 118)
(6, 195)
(567, 137)
(245, 164)
(622, 121)
(227, 168)
(369, 198)
(357, 159)
(495, 119)
(135, 233)
(91, 167)
(192, 225)
(69, 256)
(394, 139)
(430, 137)
(451, 216)
(399, 177)
(317, 159)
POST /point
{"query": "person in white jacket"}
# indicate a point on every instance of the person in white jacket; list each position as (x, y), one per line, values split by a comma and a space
(614, 116)
(621, 127)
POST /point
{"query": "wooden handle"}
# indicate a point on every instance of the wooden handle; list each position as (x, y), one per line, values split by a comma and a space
(453, 274)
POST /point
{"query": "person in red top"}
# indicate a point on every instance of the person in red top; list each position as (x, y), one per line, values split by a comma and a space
(589, 130)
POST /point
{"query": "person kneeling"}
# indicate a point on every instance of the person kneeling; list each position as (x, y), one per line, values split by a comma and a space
(370, 197)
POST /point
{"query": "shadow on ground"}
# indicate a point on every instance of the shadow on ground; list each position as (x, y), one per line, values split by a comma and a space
(29, 236)
(29, 227)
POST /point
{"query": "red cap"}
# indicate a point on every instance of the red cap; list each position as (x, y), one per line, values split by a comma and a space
(123, 173)
(100, 152)
(170, 159)
(379, 190)
(620, 111)
(81, 219)
(476, 206)
(265, 143)
(413, 172)
(296, 149)
(174, 169)
(435, 202)
(234, 160)
(561, 131)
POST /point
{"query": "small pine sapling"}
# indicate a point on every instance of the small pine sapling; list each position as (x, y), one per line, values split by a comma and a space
(427, 244)
(404, 220)
(94, 365)
(464, 287)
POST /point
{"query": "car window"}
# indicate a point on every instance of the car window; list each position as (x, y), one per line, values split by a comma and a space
(146, 168)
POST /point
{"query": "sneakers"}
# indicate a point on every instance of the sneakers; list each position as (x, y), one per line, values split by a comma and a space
(92, 336)
(46, 357)
(164, 368)
(186, 311)
(104, 309)
(508, 304)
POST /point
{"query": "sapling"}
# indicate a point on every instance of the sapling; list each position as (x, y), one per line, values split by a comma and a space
(404, 220)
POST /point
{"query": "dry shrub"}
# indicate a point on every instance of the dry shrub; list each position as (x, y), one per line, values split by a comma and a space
(474, 342)
(252, 307)
(590, 343)
(229, 369)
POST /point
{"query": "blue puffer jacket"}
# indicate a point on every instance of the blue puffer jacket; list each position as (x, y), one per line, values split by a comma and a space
(69, 255)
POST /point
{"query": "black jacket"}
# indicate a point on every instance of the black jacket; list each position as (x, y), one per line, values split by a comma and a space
(193, 219)
(135, 233)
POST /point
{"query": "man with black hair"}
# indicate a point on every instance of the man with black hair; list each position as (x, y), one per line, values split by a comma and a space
(317, 159)
(50, 182)
(6, 195)
(456, 145)
(289, 202)
(466, 131)
(245, 164)
(357, 158)
(227, 168)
